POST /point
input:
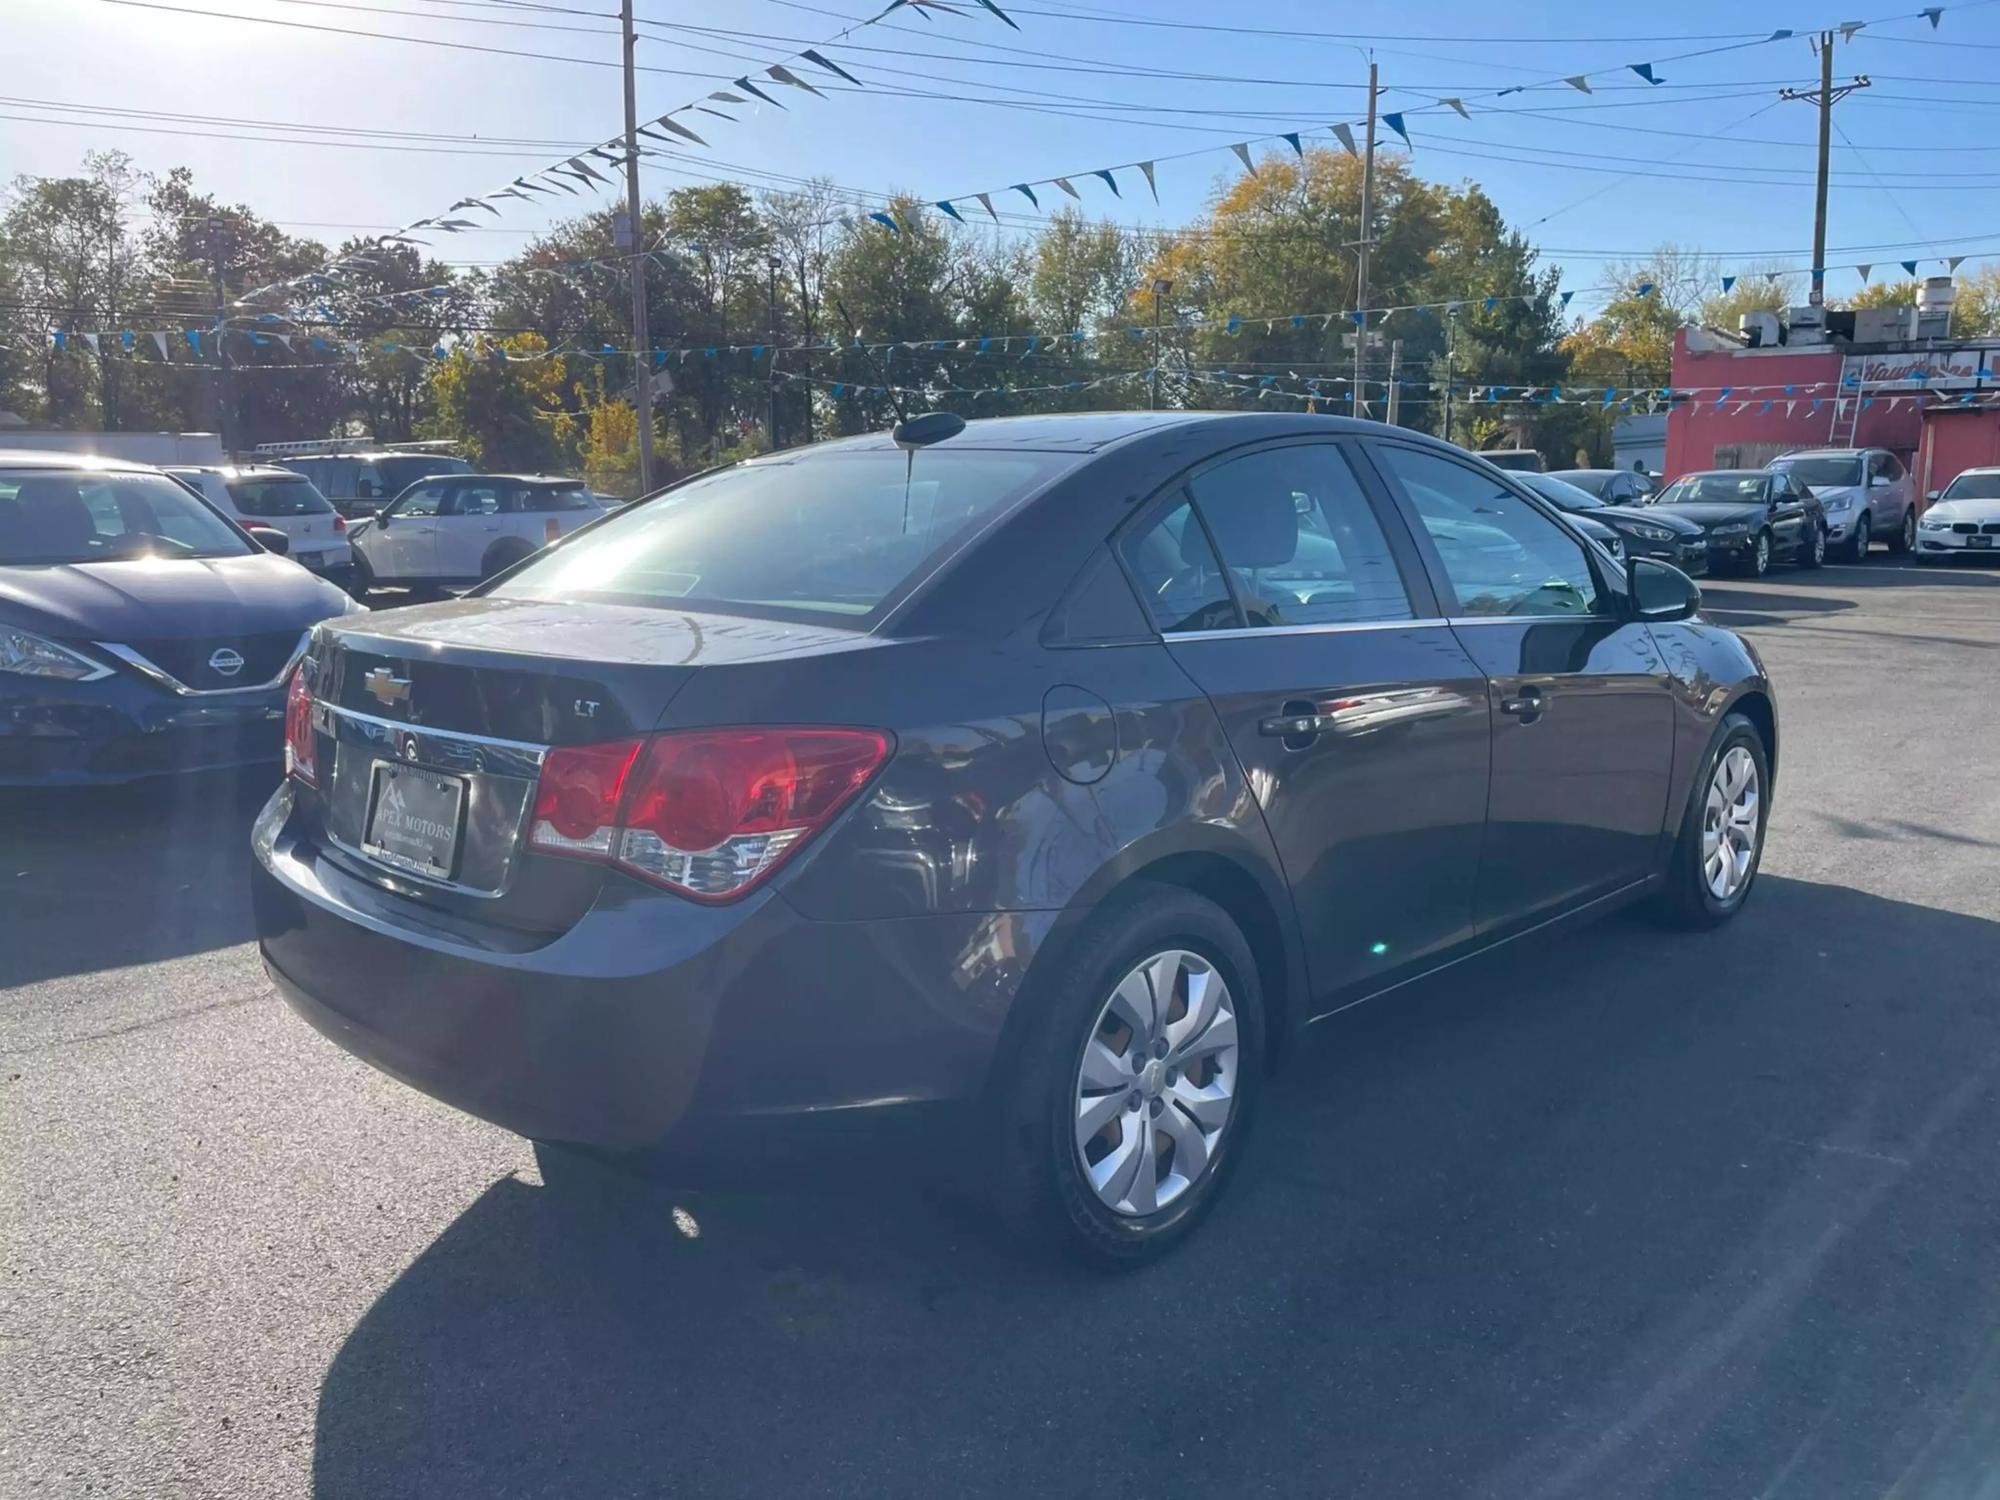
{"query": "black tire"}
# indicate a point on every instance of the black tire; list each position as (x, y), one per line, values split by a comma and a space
(1857, 545)
(502, 556)
(363, 578)
(1813, 554)
(577, 1177)
(1905, 539)
(1042, 1190)
(1759, 565)
(1686, 900)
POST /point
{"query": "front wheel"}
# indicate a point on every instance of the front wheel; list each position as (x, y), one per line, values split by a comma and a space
(1905, 538)
(1814, 554)
(1760, 555)
(362, 579)
(1721, 841)
(1857, 549)
(1125, 1108)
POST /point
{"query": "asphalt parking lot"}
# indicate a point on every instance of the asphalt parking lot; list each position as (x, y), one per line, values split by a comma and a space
(1620, 1213)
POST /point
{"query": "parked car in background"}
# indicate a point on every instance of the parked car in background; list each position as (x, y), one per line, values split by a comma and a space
(262, 495)
(1866, 493)
(1750, 518)
(1612, 486)
(1039, 775)
(1964, 520)
(1515, 460)
(141, 630)
(460, 528)
(361, 483)
(1656, 534)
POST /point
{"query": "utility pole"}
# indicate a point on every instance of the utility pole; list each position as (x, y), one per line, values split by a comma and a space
(1825, 96)
(225, 398)
(772, 371)
(1450, 375)
(1361, 258)
(1395, 383)
(642, 338)
(1161, 286)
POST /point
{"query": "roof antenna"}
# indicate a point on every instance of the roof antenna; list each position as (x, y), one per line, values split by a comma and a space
(909, 433)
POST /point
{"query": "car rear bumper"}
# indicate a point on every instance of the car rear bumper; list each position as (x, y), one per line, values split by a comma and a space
(653, 1020)
(119, 729)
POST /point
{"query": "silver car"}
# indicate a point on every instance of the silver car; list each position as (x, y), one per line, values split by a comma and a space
(1866, 492)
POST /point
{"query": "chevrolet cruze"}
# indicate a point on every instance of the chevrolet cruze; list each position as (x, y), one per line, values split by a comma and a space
(1046, 776)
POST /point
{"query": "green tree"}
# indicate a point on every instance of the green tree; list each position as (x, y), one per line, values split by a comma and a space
(503, 402)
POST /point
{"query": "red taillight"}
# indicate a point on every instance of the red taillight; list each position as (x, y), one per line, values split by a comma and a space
(339, 522)
(301, 754)
(551, 529)
(707, 813)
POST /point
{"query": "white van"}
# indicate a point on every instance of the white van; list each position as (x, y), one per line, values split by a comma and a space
(259, 495)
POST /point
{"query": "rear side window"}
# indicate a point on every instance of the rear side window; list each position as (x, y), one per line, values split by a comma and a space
(1500, 555)
(1300, 539)
(1179, 578)
(837, 534)
(540, 499)
(268, 495)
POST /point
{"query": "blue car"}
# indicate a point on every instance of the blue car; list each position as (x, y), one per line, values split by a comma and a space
(141, 631)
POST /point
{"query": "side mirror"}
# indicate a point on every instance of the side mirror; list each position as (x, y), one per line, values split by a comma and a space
(1931, 497)
(1660, 592)
(381, 520)
(270, 539)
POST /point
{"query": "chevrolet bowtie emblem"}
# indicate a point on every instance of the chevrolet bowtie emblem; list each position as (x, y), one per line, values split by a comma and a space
(388, 688)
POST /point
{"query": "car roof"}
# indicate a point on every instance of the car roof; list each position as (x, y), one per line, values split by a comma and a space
(244, 471)
(1828, 452)
(553, 480)
(1093, 432)
(1724, 473)
(1558, 473)
(37, 458)
(1978, 469)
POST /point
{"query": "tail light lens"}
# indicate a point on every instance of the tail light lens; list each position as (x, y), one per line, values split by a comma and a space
(301, 753)
(551, 529)
(339, 522)
(707, 813)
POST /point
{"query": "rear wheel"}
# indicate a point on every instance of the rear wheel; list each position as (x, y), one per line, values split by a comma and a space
(1857, 547)
(1124, 1111)
(1905, 538)
(1721, 841)
(502, 556)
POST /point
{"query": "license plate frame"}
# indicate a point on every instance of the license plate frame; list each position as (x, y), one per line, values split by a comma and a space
(1979, 541)
(311, 560)
(429, 809)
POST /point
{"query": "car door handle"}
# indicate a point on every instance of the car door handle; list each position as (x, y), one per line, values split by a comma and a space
(1294, 726)
(1529, 706)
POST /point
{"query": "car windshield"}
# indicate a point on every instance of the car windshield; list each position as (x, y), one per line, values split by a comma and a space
(79, 516)
(1711, 489)
(1983, 486)
(277, 495)
(833, 534)
(1815, 470)
(1561, 492)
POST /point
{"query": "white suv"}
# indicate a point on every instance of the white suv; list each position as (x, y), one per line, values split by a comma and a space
(258, 495)
(1866, 493)
(461, 528)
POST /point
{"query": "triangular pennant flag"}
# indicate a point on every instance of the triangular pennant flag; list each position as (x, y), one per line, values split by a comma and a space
(986, 202)
(1457, 104)
(785, 75)
(996, 11)
(667, 122)
(1027, 192)
(1779, 35)
(1933, 14)
(1909, 266)
(519, 182)
(1790, 407)
(555, 181)
(882, 218)
(1771, 278)
(1491, 302)
(1147, 168)
(1345, 135)
(832, 67)
(945, 207)
(1954, 262)
(748, 87)
(1644, 70)
(1864, 270)
(91, 339)
(1233, 324)
(1644, 289)
(1292, 138)
(285, 339)
(127, 340)
(1395, 123)
(576, 164)
(194, 339)
(1242, 149)
(1609, 395)
(1566, 296)
(723, 96)
(1848, 28)
(1578, 82)
(160, 342)
(1728, 282)
(1064, 184)
(1109, 181)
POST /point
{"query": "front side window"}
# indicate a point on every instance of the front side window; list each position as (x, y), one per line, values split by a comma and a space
(1178, 574)
(1500, 555)
(540, 499)
(423, 501)
(1300, 539)
(832, 534)
(1890, 469)
(82, 517)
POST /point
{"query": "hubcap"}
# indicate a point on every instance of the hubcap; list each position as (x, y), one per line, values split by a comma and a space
(1861, 537)
(1157, 1084)
(1819, 545)
(1909, 529)
(1730, 824)
(1763, 553)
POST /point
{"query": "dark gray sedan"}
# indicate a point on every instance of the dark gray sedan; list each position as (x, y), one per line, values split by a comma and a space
(1046, 775)
(1751, 518)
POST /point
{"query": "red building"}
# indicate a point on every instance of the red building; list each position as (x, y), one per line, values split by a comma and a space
(1737, 407)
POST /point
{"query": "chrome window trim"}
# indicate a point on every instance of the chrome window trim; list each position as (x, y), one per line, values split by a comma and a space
(1331, 627)
(159, 674)
(1585, 617)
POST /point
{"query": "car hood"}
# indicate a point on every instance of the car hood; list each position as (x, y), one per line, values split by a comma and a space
(1708, 513)
(1964, 510)
(167, 598)
(1656, 515)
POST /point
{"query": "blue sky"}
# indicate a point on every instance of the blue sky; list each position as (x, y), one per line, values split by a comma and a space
(963, 104)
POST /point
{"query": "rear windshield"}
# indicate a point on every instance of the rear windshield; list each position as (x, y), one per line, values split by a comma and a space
(834, 534)
(271, 495)
(1562, 492)
(1727, 489)
(80, 517)
(1827, 468)
(1975, 487)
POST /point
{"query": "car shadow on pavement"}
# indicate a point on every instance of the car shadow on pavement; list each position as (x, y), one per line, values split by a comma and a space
(1746, 604)
(180, 850)
(1620, 1212)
